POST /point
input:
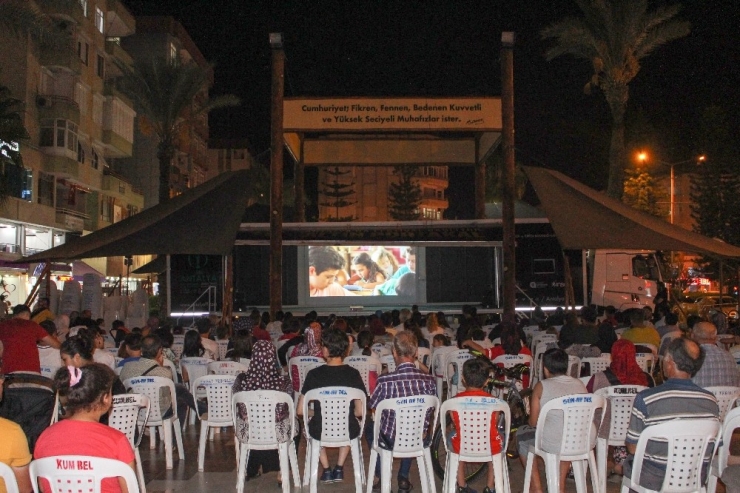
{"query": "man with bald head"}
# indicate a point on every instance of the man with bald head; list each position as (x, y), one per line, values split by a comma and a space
(677, 397)
(719, 368)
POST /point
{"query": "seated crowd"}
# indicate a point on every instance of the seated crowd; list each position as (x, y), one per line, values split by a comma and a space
(85, 373)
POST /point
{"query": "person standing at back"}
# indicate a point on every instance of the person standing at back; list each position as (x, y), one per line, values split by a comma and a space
(19, 337)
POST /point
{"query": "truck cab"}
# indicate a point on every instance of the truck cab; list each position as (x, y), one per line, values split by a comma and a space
(623, 278)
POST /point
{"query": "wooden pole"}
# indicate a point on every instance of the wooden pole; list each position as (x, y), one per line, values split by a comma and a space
(298, 183)
(480, 182)
(507, 205)
(227, 305)
(276, 173)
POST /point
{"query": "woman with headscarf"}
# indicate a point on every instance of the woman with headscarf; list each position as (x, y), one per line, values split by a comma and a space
(311, 346)
(263, 374)
(623, 370)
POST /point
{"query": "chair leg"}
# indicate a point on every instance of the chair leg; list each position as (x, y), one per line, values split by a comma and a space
(386, 465)
(498, 472)
(371, 470)
(314, 469)
(596, 473)
(167, 439)
(241, 470)
(528, 471)
(552, 470)
(202, 444)
(450, 480)
(712, 484)
(284, 468)
(307, 464)
(429, 469)
(357, 465)
(579, 473)
(293, 456)
(178, 438)
(423, 474)
(152, 437)
(602, 449)
(140, 471)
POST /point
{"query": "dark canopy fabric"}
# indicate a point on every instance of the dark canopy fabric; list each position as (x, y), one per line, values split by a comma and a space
(203, 220)
(156, 266)
(583, 218)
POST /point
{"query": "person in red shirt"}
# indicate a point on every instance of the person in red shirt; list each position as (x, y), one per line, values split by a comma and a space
(19, 337)
(511, 343)
(474, 378)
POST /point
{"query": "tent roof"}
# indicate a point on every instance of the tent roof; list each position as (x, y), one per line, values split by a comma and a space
(583, 218)
(202, 220)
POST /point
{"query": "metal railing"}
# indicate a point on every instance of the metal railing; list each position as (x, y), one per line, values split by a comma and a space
(210, 292)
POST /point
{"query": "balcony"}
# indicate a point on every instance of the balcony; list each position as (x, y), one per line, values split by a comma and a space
(118, 127)
(433, 203)
(70, 11)
(119, 21)
(118, 185)
(69, 169)
(58, 107)
(116, 51)
(71, 219)
(65, 58)
(111, 89)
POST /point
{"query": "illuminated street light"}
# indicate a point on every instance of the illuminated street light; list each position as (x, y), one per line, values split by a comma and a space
(643, 157)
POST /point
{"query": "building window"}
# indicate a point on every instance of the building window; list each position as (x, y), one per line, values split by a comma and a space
(106, 208)
(46, 189)
(81, 95)
(132, 209)
(80, 153)
(58, 133)
(94, 160)
(173, 51)
(82, 50)
(83, 4)
(99, 19)
(100, 67)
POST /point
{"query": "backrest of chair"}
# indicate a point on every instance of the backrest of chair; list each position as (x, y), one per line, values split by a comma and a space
(597, 364)
(218, 390)
(730, 424)
(149, 386)
(223, 348)
(424, 355)
(620, 398)
(171, 366)
(127, 411)
(510, 360)
(474, 416)
(646, 361)
(726, 397)
(196, 367)
(438, 359)
(688, 443)
(178, 344)
(574, 366)
(543, 337)
(379, 349)
(226, 368)
(365, 365)
(453, 366)
(578, 419)
(49, 371)
(260, 406)
(8, 476)
(410, 416)
(304, 364)
(80, 474)
(389, 362)
(335, 404)
(669, 337)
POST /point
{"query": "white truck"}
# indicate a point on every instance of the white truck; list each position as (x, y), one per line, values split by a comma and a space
(623, 278)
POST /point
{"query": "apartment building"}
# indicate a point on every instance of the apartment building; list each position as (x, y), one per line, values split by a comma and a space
(228, 155)
(165, 37)
(371, 185)
(78, 124)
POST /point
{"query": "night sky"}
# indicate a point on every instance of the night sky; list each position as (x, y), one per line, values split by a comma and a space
(450, 48)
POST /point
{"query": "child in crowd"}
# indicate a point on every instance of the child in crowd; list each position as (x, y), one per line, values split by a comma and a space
(474, 379)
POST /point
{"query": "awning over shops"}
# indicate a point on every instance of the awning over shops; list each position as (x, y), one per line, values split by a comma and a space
(583, 218)
(156, 266)
(203, 220)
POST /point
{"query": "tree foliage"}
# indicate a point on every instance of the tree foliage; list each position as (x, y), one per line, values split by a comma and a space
(494, 178)
(164, 91)
(404, 196)
(337, 190)
(641, 192)
(11, 131)
(614, 35)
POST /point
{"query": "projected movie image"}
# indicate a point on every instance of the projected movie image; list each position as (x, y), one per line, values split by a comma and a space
(361, 271)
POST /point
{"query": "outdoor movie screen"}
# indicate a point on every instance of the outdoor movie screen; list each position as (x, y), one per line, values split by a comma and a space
(362, 271)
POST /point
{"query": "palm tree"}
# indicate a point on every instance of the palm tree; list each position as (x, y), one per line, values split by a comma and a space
(614, 35)
(164, 91)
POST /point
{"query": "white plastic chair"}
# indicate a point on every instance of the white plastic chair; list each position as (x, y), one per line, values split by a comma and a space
(389, 362)
(217, 389)
(576, 446)
(49, 371)
(410, 416)
(475, 415)
(726, 398)
(453, 366)
(542, 337)
(365, 365)
(335, 403)
(303, 364)
(380, 350)
(149, 386)
(8, 476)
(721, 461)
(226, 368)
(537, 372)
(438, 363)
(128, 414)
(597, 364)
(223, 348)
(511, 360)
(178, 344)
(171, 366)
(260, 406)
(424, 355)
(646, 361)
(79, 473)
(688, 441)
(620, 399)
(195, 367)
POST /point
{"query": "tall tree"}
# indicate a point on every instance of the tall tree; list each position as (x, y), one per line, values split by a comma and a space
(404, 196)
(337, 190)
(642, 193)
(11, 132)
(164, 90)
(614, 35)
